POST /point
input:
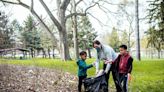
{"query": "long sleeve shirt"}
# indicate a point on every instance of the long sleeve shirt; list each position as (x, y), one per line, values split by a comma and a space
(106, 53)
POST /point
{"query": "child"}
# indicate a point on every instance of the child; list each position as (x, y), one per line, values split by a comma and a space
(123, 66)
(82, 68)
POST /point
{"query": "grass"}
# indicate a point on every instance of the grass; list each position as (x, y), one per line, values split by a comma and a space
(147, 75)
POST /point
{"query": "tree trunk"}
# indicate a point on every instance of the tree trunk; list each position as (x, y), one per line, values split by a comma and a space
(64, 45)
(137, 32)
(49, 53)
(159, 54)
(44, 53)
(24, 54)
(63, 36)
(60, 24)
(32, 55)
(14, 54)
(53, 53)
(76, 49)
(129, 47)
(89, 53)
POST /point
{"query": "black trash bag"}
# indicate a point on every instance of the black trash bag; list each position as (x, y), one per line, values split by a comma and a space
(97, 84)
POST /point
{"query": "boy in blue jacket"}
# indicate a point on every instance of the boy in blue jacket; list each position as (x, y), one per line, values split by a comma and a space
(82, 68)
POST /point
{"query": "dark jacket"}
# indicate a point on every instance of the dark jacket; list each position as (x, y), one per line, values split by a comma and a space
(82, 67)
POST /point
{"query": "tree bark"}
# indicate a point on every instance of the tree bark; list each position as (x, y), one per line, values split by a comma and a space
(63, 33)
(159, 54)
(53, 52)
(49, 53)
(32, 54)
(89, 53)
(44, 53)
(76, 49)
(137, 32)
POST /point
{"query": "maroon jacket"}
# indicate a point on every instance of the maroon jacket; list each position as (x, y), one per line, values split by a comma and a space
(123, 64)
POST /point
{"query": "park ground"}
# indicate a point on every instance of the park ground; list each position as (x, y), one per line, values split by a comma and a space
(54, 75)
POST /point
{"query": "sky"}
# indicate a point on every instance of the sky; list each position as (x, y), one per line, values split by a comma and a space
(20, 13)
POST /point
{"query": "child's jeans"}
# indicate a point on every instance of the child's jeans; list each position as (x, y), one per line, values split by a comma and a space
(122, 83)
(80, 82)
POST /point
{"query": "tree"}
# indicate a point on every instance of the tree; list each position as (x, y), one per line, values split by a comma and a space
(113, 39)
(60, 21)
(124, 37)
(6, 41)
(126, 14)
(74, 27)
(30, 35)
(86, 34)
(17, 29)
(46, 43)
(154, 40)
(156, 19)
(33, 12)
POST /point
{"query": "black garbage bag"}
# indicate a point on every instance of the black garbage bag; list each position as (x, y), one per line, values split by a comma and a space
(97, 84)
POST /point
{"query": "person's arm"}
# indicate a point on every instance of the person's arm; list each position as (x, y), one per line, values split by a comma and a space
(130, 66)
(108, 60)
(84, 66)
(97, 62)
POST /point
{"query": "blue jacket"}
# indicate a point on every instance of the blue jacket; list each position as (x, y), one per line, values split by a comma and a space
(82, 67)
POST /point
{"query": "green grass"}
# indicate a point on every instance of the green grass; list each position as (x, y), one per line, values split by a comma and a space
(147, 75)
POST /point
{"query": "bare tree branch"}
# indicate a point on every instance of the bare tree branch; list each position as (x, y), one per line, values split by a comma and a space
(65, 4)
(32, 4)
(107, 10)
(33, 12)
(91, 6)
(34, 25)
(73, 14)
(78, 2)
(106, 1)
(81, 14)
(55, 21)
(85, 12)
(97, 20)
(58, 3)
(103, 10)
(9, 2)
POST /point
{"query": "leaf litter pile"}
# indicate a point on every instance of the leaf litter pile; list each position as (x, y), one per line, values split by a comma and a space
(15, 78)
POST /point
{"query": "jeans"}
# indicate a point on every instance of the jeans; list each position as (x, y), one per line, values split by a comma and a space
(121, 83)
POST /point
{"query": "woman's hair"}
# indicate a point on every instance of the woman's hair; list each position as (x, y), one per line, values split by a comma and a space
(83, 53)
(96, 42)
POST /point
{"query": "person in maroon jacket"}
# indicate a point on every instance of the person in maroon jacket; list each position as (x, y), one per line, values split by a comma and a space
(122, 68)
